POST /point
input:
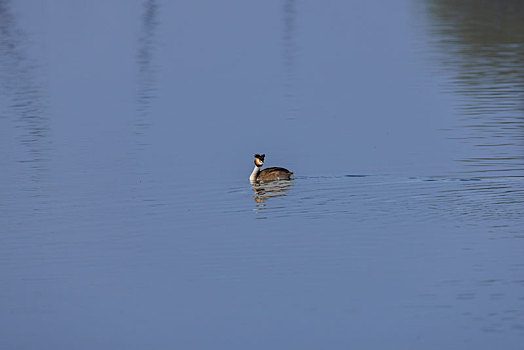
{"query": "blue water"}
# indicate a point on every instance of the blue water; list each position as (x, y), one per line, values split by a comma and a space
(127, 134)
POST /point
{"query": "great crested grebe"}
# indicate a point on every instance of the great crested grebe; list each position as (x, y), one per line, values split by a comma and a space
(269, 174)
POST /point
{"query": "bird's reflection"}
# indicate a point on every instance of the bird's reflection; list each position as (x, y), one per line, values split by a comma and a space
(265, 190)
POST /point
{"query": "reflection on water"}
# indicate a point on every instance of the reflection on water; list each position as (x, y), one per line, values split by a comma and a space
(481, 44)
(289, 56)
(407, 257)
(24, 96)
(264, 191)
(146, 83)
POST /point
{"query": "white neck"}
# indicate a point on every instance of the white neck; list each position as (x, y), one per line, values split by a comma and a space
(254, 174)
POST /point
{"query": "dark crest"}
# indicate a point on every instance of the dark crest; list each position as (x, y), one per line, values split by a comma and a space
(260, 156)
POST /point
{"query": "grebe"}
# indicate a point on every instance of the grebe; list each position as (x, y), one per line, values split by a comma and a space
(269, 174)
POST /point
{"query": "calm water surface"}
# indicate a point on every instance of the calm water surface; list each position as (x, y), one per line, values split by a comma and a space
(127, 131)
